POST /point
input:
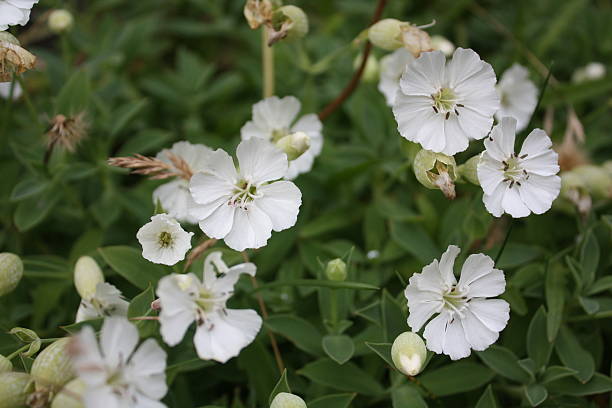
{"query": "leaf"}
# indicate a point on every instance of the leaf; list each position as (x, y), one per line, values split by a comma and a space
(147, 141)
(598, 384)
(555, 299)
(487, 399)
(456, 378)
(574, 356)
(332, 401)
(258, 364)
(553, 373)
(125, 114)
(538, 346)
(28, 187)
(141, 306)
(564, 17)
(302, 333)
(515, 255)
(318, 283)
(281, 386)
(330, 221)
(590, 306)
(74, 328)
(600, 285)
(415, 240)
(407, 396)
(589, 258)
(346, 377)
(535, 394)
(383, 350)
(129, 263)
(74, 97)
(32, 211)
(339, 347)
(393, 319)
(505, 363)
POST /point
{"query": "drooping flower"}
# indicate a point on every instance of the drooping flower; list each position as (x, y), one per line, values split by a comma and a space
(174, 196)
(13, 58)
(392, 67)
(273, 119)
(220, 332)
(244, 206)
(518, 95)
(518, 184)
(116, 374)
(106, 301)
(13, 12)
(163, 240)
(465, 318)
(5, 90)
(443, 105)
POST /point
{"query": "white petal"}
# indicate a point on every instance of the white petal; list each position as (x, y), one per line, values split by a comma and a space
(23, 4)
(447, 261)
(176, 200)
(435, 332)
(226, 283)
(5, 90)
(281, 201)
(477, 334)
(144, 402)
(474, 123)
(251, 229)
(539, 192)
(429, 279)
(261, 161)
(220, 164)
(456, 138)
(86, 311)
(195, 155)
(103, 397)
(500, 143)
(513, 204)
(431, 134)
(425, 75)
(302, 164)
(276, 113)
(250, 130)
(493, 201)
(519, 95)
(147, 369)
(494, 313)
(480, 278)
(118, 339)
(178, 310)
(219, 223)
(490, 173)
(88, 361)
(456, 345)
(203, 211)
(227, 334)
(422, 305)
(466, 66)
(409, 112)
(541, 159)
(391, 68)
(149, 237)
(309, 124)
(207, 188)
(10, 15)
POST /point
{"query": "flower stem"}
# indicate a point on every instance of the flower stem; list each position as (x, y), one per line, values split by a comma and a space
(503, 246)
(27, 346)
(267, 62)
(7, 109)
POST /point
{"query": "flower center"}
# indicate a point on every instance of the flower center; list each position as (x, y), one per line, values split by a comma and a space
(455, 300)
(206, 300)
(164, 239)
(513, 171)
(244, 192)
(278, 134)
(445, 102)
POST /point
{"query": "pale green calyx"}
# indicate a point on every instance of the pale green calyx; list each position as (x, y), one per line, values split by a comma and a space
(5, 364)
(288, 22)
(468, 170)
(53, 367)
(336, 270)
(287, 400)
(386, 34)
(294, 144)
(14, 389)
(70, 395)
(436, 171)
(29, 337)
(87, 275)
(11, 272)
(596, 179)
(408, 353)
(60, 21)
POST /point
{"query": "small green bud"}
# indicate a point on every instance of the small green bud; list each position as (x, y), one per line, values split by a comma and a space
(14, 389)
(574, 191)
(371, 70)
(409, 353)
(87, 275)
(60, 21)
(286, 400)
(70, 395)
(386, 34)
(596, 179)
(294, 145)
(336, 270)
(468, 170)
(53, 368)
(11, 272)
(29, 337)
(436, 171)
(288, 22)
(5, 364)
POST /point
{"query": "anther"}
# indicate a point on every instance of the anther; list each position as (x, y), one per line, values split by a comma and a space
(523, 156)
(435, 109)
(456, 112)
(447, 115)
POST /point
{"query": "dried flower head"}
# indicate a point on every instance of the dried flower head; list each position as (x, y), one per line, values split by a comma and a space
(13, 58)
(153, 167)
(67, 132)
(257, 12)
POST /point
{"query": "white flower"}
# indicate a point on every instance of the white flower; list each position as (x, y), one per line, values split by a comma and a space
(163, 240)
(174, 196)
(518, 94)
(441, 43)
(590, 72)
(518, 184)
(465, 319)
(243, 207)
(392, 67)
(5, 90)
(117, 375)
(443, 105)
(106, 301)
(13, 12)
(273, 118)
(220, 332)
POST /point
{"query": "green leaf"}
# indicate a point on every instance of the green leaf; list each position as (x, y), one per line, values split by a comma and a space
(149, 140)
(505, 363)
(574, 356)
(515, 255)
(28, 187)
(346, 377)
(258, 364)
(74, 328)
(555, 299)
(74, 97)
(125, 115)
(538, 346)
(598, 384)
(393, 319)
(600, 285)
(141, 306)
(281, 386)
(129, 263)
(553, 373)
(414, 239)
(456, 378)
(487, 399)
(591, 306)
(330, 221)
(32, 211)
(339, 347)
(300, 332)
(383, 350)
(535, 394)
(407, 396)
(589, 258)
(332, 401)
(321, 283)
(564, 17)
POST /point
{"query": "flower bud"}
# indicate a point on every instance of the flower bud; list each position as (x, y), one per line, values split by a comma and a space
(87, 275)
(468, 171)
(596, 179)
(14, 389)
(409, 353)
(386, 34)
(441, 43)
(336, 270)
(415, 40)
(5, 364)
(53, 368)
(29, 337)
(286, 400)
(288, 22)
(574, 191)
(591, 72)
(436, 171)
(11, 272)
(70, 395)
(294, 145)
(60, 21)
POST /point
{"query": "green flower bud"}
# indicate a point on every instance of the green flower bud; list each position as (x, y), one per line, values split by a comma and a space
(386, 34)
(286, 400)
(409, 353)
(70, 395)
(468, 171)
(288, 22)
(436, 171)
(60, 21)
(336, 270)
(11, 272)
(294, 145)
(371, 70)
(14, 389)
(53, 368)
(29, 337)
(5, 364)
(596, 179)
(573, 190)
(87, 275)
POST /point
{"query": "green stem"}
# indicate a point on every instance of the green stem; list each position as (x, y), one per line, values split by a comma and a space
(501, 250)
(267, 61)
(27, 346)
(28, 101)
(7, 110)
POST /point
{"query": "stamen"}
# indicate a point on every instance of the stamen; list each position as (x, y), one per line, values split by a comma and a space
(523, 156)
(435, 109)
(433, 23)
(447, 115)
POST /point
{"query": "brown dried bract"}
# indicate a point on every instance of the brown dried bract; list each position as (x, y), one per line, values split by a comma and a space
(67, 132)
(155, 168)
(416, 40)
(257, 12)
(14, 60)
